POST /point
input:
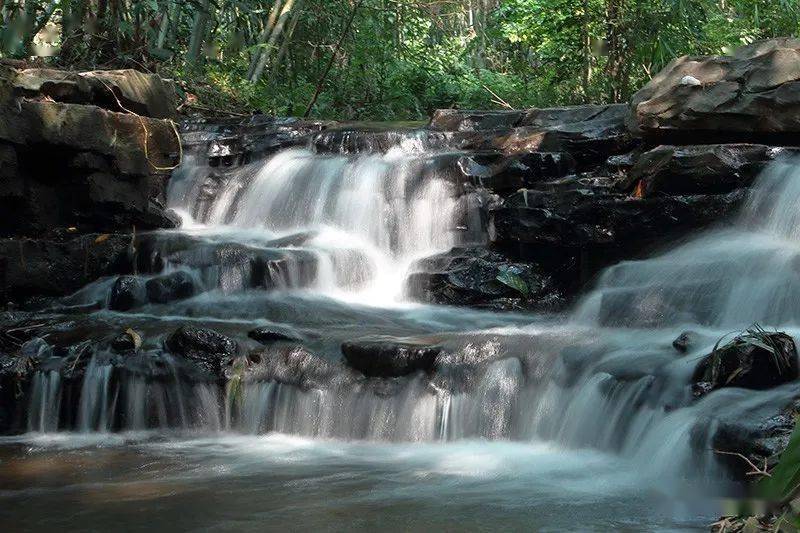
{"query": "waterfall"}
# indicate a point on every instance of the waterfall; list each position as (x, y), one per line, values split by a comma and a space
(725, 278)
(347, 226)
(45, 402)
(372, 214)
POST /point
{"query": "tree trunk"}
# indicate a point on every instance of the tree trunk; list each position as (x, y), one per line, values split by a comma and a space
(615, 42)
(198, 31)
(286, 41)
(276, 32)
(262, 38)
(321, 82)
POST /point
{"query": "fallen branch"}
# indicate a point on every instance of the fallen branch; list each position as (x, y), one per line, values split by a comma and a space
(498, 100)
(756, 471)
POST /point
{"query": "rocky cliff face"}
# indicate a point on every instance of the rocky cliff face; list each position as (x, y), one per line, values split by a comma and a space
(84, 161)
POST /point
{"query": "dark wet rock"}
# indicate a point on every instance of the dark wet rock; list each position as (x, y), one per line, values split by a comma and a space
(299, 367)
(227, 144)
(754, 360)
(703, 169)
(685, 341)
(126, 293)
(479, 277)
(387, 357)
(573, 235)
(761, 438)
(126, 342)
(233, 266)
(39, 267)
(752, 95)
(589, 142)
(170, 287)
(206, 348)
(267, 335)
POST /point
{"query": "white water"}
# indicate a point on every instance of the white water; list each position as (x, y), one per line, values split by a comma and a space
(373, 213)
(726, 278)
(606, 380)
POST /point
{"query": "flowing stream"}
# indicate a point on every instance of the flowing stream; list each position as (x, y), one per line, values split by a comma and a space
(584, 422)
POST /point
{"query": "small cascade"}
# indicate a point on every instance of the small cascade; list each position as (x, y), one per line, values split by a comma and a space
(725, 278)
(98, 399)
(45, 402)
(367, 216)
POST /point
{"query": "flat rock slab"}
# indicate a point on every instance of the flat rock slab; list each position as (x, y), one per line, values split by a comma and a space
(388, 357)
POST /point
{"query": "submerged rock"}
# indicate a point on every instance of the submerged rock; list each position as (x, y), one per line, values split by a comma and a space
(127, 342)
(754, 360)
(387, 357)
(685, 341)
(267, 336)
(206, 348)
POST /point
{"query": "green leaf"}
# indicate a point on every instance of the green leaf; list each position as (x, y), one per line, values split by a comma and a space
(510, 278)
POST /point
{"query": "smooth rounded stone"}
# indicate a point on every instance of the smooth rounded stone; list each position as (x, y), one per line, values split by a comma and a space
(745, 362)
(206, 348)
(267, 336)
(126, 293)
(170, 287)
(685, 341)
(388, 357)
(126, 342)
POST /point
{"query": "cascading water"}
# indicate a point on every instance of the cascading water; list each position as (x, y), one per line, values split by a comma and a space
(334, 236)
(724, 279)
(373, 214)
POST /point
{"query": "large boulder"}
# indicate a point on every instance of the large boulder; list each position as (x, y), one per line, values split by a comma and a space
(479, 277)
(752, 94)
(145, 94)
(588, 133)
(69, 160)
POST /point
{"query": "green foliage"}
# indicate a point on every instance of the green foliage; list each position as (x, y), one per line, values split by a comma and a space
(400, 59)
(784, 479)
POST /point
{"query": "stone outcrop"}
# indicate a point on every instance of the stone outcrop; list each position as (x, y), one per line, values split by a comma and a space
(754, 93)
(84, 159)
